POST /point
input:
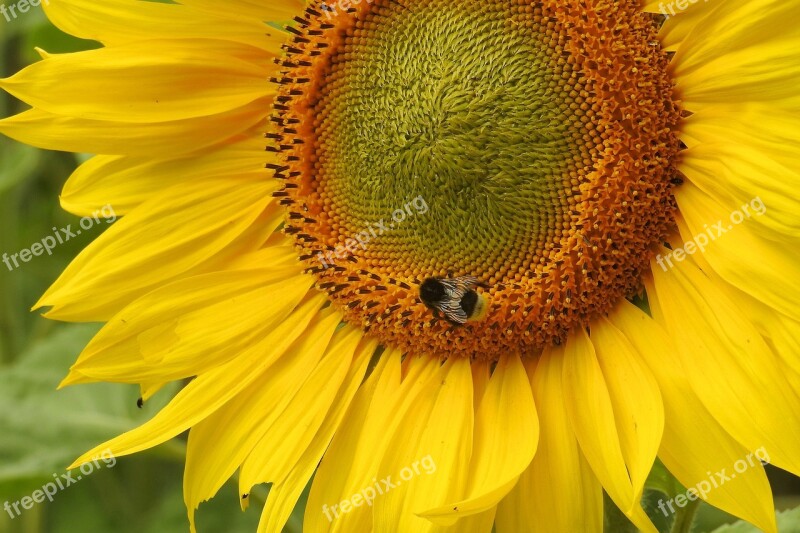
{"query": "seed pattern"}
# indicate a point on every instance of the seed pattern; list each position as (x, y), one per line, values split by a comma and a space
(559, 120)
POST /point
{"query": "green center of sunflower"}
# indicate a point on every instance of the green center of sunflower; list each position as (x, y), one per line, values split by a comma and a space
(520, 154)
(453, 127)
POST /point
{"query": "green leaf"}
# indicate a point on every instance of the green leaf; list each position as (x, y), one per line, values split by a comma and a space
(614, 520)
(22, 22)
(19, 161)
(650, 504)
(788, 522)
(44, 430)
(662, 481)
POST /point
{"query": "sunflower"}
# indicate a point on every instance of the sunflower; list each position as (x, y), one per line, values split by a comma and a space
(291, 174)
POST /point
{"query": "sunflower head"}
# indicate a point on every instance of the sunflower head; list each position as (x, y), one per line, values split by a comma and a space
(460, 198)
(540, 142)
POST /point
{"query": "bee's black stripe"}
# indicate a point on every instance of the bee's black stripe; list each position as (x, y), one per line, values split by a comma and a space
(468, 302)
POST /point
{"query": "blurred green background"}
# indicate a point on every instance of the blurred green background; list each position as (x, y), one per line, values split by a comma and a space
(41, 430)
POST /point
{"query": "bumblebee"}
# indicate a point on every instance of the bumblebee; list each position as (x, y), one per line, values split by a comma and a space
(455, 298)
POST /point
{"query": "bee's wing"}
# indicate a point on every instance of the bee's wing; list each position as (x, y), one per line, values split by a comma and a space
(456, 288)
(453, 311)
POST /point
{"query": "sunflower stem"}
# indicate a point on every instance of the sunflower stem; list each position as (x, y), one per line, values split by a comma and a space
(684, 518)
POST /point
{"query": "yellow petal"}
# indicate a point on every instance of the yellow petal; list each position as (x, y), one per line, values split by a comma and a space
(506, 435)
(157, 139)
(219, 443)
(635, 398)
(558, 492)
(481, 373)
(361, 443)
(430, 454)
(736, 376)
(272, 458)
(592, 416)
(148, 389)
(274, 11)
(749, 58)
(591, 413)
(175, 80)
(475, 523)
(118, 22)
(210, 391)
(781, 332)
(680, 23)
(766, 127)
(126, 182)
(752, 186)
(695, 447)
(767, 270)
(192, 325)
(175, 231)
(284, 495)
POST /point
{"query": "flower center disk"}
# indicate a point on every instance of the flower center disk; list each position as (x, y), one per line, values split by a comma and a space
(523, 144)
